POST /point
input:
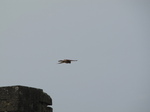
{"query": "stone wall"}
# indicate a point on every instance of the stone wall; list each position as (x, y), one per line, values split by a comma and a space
(24, 99)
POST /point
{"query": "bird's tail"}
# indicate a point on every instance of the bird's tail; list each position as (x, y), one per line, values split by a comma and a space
(59, 63)
(60, 60)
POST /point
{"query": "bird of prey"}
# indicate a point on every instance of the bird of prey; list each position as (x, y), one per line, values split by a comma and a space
(68, 61)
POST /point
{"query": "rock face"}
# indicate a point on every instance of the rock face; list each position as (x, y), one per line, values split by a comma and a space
(24, 99)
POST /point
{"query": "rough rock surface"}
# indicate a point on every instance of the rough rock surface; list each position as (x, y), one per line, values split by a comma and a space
(24, 99)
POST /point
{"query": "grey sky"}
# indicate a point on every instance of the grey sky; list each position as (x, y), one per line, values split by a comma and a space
(109, 39)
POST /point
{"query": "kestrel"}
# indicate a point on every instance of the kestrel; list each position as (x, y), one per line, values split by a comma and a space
(65, 61)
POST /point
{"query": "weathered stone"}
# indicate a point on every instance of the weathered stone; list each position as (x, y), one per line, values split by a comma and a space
(24, 99)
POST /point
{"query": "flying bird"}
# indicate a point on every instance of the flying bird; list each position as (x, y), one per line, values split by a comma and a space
(66, 61)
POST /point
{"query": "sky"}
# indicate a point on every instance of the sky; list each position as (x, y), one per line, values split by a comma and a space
(109, 38)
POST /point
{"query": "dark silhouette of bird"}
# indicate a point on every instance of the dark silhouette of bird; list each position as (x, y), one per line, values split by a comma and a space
(67, 61)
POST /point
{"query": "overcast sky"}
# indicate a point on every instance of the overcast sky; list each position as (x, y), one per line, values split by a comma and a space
(110, 40)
